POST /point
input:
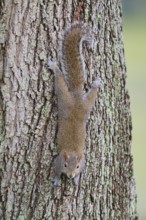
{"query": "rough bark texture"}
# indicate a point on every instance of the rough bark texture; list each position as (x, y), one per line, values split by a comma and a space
(28, 116)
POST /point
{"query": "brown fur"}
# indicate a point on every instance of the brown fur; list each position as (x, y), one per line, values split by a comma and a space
(71, 130)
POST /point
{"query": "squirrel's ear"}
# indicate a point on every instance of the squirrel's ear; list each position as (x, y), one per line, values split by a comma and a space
(65, 155)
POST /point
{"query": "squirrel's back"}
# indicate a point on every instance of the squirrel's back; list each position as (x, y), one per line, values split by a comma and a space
(72, 62)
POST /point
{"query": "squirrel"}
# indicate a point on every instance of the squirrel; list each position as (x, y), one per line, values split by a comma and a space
(74, 105)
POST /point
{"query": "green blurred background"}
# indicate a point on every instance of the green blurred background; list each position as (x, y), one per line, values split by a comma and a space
(134, 26)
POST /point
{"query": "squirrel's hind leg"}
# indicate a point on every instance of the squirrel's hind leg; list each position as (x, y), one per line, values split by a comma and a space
(90, 97)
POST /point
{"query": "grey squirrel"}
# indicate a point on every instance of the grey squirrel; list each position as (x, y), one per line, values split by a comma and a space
(74, 105)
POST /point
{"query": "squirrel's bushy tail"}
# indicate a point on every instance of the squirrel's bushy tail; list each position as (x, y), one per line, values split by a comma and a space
(72, 62)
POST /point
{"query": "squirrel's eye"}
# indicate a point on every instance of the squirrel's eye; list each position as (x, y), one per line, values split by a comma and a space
(77, 166)
(65, 164)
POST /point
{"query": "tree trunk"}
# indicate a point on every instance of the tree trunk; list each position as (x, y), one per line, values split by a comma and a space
(30, 31)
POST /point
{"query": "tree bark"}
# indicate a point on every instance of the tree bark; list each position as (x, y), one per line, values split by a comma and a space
(30, 31)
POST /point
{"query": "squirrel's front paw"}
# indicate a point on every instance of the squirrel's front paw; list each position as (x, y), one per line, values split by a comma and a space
(56, 181)
(51, 64)
(76, 180)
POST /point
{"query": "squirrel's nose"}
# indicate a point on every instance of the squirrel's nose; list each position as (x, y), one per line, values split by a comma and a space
(71, 175)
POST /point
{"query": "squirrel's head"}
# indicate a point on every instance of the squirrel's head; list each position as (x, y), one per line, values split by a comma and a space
(72, 164)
